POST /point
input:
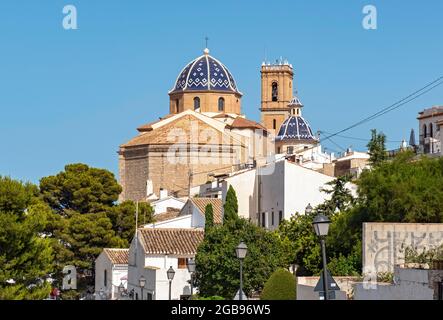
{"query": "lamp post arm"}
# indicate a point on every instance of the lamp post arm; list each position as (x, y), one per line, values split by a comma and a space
(325, 270)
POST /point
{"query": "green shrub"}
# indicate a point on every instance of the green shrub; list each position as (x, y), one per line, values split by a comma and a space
(280, 286)
(210, 298)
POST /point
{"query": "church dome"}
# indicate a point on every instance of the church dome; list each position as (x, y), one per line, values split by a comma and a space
(295, 127)
(205, 73)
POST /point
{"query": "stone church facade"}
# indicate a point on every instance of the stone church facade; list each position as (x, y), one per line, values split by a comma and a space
(203, 135)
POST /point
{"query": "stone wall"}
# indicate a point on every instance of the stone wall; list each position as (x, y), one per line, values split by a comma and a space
(171, 171)
(384, 243)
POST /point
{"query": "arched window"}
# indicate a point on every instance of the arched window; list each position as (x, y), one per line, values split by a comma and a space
(431, 130)
(274, 124)
(105, 277)
(196, 103)
(221, 104)
(425, 133)
(274, 91)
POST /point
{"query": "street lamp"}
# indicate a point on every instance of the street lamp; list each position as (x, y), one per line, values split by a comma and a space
(102, 294)
(308, 209)
(241, 251)
(142, 282)
(121, 289)
(171, 274)
(321, 226)
(191, 269)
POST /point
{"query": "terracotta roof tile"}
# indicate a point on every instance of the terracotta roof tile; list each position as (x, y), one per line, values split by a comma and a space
(148, 126)
(174, 241)
(240, 122)
(171, 213)
(117, 256)
(161, 135)
(217, 207)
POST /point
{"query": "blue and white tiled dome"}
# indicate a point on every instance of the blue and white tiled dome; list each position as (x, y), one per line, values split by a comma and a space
(295, 127)
(205, 73)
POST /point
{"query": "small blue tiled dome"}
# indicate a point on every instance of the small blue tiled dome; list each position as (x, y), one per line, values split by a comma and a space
(205, 73)
(295, 127)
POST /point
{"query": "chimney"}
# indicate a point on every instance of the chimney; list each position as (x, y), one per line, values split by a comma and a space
(163, 193)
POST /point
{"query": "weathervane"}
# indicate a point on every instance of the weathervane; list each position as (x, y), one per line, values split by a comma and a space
(206, 39)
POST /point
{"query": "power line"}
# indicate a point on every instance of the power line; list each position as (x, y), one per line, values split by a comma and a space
(359, 139)
(411, 97)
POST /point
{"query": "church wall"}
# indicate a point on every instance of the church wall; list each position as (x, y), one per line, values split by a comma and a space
(208, 101)
(134, 165)
(171, 173)
(268, 119)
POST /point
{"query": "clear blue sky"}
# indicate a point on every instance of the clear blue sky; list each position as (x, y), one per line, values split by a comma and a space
(75, 96)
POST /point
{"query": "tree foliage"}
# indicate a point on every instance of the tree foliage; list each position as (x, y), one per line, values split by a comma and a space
(340, 196)
(122, 217)
(217, 267)
(209, 216)
(230, 207)
(377, 148)
(25, 256)
(81, 189)
(280, 286)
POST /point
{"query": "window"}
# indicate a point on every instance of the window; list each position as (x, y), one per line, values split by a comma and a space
(221, 104)
(136, 296)
(274, 91)
(272, 218)
(105, 277)
(290, 150)
(278, 150)
(431, 130)
(424, 131)
(149, 296)
(177, 105)
(182, 263)
(280, 217)
(196, 103)
(274, 124)
(263, 219)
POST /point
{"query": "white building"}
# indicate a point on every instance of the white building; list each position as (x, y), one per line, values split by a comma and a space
(111, 270)
(166, 202)
(152, 252)
(274, 192)
(429, 121)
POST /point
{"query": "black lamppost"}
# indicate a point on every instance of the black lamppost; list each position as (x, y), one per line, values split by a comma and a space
(308, 209)
(241, 251)
(171, 274)
(121, 290)
(142, 282)
(191, 269)
(321, 226)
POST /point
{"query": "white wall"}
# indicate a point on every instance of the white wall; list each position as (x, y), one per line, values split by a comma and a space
(302, 186)
(244, 185)
(136, 269)
(179, 222)
(161, 206)
(272, 191)
(114, 275)
(411, 284)
(198, 220)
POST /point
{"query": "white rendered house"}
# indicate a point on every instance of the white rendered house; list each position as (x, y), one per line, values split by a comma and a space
(152, 252)
(111, 270)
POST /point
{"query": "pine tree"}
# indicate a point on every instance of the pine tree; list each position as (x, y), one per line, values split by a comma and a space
(231, 206)
(26, 258)
(209, 216)
(377, 148)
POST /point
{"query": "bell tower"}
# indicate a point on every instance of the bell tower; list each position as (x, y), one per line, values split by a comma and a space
(276, 93)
